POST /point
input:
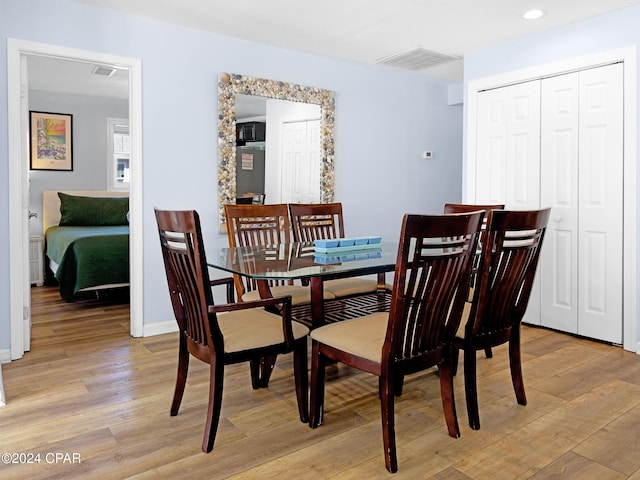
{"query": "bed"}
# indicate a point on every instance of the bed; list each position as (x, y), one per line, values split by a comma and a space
(86, 239)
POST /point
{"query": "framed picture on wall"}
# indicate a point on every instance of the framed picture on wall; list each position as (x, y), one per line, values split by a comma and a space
(51, 141)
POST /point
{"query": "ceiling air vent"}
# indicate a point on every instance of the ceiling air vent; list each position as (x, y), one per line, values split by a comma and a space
(416, 58)
(102, 70)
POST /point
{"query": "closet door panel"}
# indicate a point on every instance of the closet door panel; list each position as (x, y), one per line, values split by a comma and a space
(600, 175)
(508, 143)
(491, 154)
(559, 140)
(523, 146)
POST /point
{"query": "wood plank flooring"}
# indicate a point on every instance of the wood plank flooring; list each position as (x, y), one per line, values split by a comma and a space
(88, 388)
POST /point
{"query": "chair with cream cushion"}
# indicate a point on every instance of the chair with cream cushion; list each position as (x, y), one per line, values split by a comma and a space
(317, 221)
(260, 225)
(512, 243)
(429, 291)
(223, 334)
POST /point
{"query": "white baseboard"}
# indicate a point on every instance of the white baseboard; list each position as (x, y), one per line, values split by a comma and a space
(152, 329)
(5, 355)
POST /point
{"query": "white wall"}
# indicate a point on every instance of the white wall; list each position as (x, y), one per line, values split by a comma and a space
(385, 118)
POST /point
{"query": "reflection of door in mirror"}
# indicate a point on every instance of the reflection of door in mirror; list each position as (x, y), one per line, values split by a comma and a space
(301, 162)
(292, 167)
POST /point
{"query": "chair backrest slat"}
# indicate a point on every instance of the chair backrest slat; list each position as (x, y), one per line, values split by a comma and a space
(430, 282)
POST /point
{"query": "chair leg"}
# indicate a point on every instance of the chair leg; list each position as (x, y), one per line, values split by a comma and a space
(216, 380)
(387, 402)
(455, 358)
(515, 363)
(470, 388)
(181, 380)
(318, 363)
(488, 353)
(261, 369)
(301, 376)
(448, 401)
(399, 383)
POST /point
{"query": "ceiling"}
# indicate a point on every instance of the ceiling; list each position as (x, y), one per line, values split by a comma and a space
(359, 30)
(368, 30)
(71, 76)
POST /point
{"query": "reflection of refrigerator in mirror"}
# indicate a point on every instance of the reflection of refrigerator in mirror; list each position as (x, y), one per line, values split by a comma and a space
(249, 170)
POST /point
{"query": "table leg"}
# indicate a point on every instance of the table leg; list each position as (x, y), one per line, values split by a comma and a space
(317, 302)
(261, 369)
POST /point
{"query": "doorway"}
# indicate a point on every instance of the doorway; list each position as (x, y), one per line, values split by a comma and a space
(17, 52)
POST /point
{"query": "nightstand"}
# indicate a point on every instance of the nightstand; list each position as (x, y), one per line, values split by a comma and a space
(36, 259)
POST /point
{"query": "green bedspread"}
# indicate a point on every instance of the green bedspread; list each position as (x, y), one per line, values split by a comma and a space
(88, 256)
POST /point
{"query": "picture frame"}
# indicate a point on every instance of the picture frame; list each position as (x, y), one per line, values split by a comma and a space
(51, 143)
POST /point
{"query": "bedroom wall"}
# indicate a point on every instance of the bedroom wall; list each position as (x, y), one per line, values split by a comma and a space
(385, 118)
(89, 140)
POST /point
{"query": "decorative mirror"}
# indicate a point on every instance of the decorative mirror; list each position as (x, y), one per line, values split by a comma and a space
(229, 86)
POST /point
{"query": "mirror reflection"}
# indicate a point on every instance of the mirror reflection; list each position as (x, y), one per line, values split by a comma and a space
(277, 149)
(275, 142)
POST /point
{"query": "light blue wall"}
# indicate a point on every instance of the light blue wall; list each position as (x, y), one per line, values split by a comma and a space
(384, 120)
(619, 29)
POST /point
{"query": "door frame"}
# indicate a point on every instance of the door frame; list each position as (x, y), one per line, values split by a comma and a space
(628, 56)
(18, 178)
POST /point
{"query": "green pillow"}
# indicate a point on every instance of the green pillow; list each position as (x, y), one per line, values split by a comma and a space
(93, 211)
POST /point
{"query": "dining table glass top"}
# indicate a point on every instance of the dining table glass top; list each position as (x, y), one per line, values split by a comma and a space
(300, 260)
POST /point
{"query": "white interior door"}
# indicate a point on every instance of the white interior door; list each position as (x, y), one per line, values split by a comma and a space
(558, 267)
(608, 290)
(581, 172)
(508, 146)
(301, 162)
(600, 176)
(24, 151)
(508, 156)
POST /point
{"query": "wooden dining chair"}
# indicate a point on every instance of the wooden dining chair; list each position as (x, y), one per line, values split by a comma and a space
(450, 208)
(222, 334)
(316, 221)
(429, 291)
(510, 254)
(263, 225)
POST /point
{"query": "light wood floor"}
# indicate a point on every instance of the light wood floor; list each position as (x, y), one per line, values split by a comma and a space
(88, 388)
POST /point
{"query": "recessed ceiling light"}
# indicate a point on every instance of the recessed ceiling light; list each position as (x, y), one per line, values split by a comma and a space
(533, 14)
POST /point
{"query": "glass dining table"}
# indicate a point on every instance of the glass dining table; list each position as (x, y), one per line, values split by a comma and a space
(300, 261)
